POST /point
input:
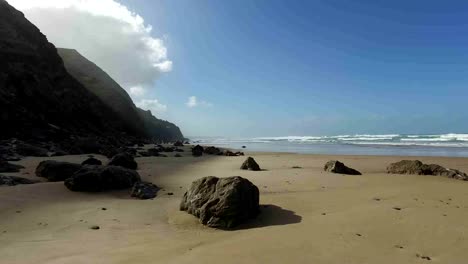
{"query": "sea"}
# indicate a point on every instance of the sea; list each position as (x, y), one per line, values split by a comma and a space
(443, 145)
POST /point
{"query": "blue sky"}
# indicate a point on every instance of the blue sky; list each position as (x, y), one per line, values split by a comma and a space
(276, 68)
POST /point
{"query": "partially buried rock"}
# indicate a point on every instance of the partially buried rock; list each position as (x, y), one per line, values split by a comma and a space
(418, 168)
(250, 164)
(144, 190)
(5, 166)
(197, 151)
(222, 202)
(212, 150)
(13, 180)
(335, 166)
(56, 170)
(91, 161)
(102, 178)
(124, 160)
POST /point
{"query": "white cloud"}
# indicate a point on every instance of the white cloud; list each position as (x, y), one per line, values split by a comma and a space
(136, 91)
(105, 32)
(153, 105)
(194, 102)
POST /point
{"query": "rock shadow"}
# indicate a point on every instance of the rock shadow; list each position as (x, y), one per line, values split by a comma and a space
(271, 215)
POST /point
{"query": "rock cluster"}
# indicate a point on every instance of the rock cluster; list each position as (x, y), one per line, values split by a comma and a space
(419, 168)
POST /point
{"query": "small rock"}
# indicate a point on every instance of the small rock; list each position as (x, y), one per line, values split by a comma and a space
(144, 190)
(94, 227)
(250, 164)
(335, 166)
(397, 208)
(170, 193)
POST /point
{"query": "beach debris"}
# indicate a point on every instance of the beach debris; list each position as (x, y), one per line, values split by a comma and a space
(423, 257)
(13, 180)
(418, 168)
(144, 190)
(6, 166)
(56, 170)
(91, 161)
(170, 193)
(335, 166)
(197, 151)
(222, 202)
(124, 160)
(102, 178)
(397, 208)
(250, 164)
(296, 167)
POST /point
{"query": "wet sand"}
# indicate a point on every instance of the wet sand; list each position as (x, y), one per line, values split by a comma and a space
(308, 216)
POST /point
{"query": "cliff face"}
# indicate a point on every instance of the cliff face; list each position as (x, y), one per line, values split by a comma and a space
(112, 94)
(38, 98)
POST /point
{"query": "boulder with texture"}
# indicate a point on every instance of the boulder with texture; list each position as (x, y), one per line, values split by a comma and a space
(222, 202)
(197, 151)
(250, 164)
(6, 166)
(212, 150)
(124, 160)
(102, 178)
(56, 170)
(91, 161)
(144, 190)
(335, 166)
(418, 168)
(13, 180)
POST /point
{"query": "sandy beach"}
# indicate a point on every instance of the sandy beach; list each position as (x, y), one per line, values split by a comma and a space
(308, 216)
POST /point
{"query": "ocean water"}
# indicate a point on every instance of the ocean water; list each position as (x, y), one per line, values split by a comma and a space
(446, 145)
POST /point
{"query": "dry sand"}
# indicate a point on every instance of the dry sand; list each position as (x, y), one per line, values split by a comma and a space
(308, 216)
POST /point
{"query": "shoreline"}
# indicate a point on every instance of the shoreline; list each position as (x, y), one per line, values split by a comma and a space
(308, 215)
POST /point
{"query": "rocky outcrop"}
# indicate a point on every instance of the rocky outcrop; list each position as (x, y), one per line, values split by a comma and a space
(335, 166)
(6, 166)
(113, 95)
(38, 98)
(13, 180)
(418, 168)
(144, 190)
(250, 164)
(102, 178)
(197, 151)
(124, 160)
(91, 161)
(222, 202)
(56, 170)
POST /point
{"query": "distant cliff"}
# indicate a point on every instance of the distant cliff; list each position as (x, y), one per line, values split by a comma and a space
(38, 98)
(112, 94)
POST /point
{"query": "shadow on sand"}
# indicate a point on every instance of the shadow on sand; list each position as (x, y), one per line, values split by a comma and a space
(271, 215)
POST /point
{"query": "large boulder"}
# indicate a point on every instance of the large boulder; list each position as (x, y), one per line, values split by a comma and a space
(56, 170)
(102, 178)
(406, 167)
(222, 202)
(26, 149)
(91, 161)
(418, 168)
(124, 160)
(335, 166)
(144, 190)
(13, 180)
(197, 151)
(5, 166)
(250, 164)
(212, 150)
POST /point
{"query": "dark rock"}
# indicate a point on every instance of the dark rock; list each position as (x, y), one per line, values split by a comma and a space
(91, 161)
(179, 150)
(250, 164)
(153, 152)
(144, 190)
(95, 227)
(418, 168)
(197, 151)
(124, 160)
(222, 202)
(178, 144)
(25, 149)
(162, 155)
(212, 150)
(5, 166)
(177, 155)
(170, 193)
(56, 170)
(406, 167)
(13, 180)
(243, 146)
(335, 166)
(238, 153)
(102, 178)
